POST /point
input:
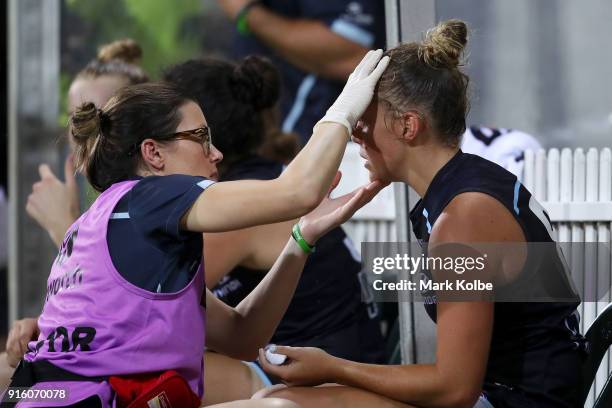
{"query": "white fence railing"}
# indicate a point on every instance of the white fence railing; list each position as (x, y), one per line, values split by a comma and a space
(575, 189)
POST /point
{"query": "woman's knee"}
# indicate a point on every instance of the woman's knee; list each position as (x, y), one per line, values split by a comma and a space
(334, 396)
(303, 396)
(268, 391)
(279, 403)
(222, 371)
(262, 403)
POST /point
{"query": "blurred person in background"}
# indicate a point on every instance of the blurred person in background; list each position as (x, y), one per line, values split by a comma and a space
(505, 147)
(315, 44)
(55, 204)
(326, 310)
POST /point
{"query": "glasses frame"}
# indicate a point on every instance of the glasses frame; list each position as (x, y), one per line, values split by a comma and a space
(201, 135)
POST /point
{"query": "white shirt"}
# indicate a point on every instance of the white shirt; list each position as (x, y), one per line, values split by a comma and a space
(505, 147)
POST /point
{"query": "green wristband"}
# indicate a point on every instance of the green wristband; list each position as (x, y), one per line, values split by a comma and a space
(299, 238)
(242, 24)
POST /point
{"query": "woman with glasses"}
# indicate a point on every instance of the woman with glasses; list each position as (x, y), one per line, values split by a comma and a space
(326, 310)
(125, 298)
(54, 204)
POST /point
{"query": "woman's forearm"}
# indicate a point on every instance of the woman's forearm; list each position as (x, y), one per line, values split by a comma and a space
(298, 190)
(310, 174)
(261, 311)
(419, 384)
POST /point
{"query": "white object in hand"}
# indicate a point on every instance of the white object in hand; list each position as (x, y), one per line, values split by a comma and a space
(358, 91)
(274, 358)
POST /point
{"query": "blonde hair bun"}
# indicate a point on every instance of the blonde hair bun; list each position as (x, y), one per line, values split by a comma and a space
(444, 44)
(125, 50)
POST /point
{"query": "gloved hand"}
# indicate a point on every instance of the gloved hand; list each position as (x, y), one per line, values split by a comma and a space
(358, 91)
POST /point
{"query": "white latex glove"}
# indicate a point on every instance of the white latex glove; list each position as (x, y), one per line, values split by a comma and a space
(358, 91)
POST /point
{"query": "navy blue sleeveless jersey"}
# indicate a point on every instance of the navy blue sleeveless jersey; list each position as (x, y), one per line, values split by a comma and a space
(326, 310)
(536, 349)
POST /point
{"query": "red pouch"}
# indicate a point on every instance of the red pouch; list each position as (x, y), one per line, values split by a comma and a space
(165, 390)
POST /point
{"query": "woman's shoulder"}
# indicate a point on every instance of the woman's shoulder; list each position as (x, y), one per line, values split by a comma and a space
(475, 216)
(168, 181)
(164, 195)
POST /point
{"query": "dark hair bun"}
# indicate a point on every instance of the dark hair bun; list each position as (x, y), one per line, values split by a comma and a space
(126, 50)
(444, 44)
(256, 81)
(85, 122)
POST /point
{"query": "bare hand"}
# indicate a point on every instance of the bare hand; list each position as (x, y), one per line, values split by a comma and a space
(231, 8)
(53, 204)
(306, 366)
(22, 332)
(332, 212)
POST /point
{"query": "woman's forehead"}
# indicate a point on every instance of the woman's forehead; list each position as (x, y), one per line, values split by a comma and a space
(97, 90)
(192, 116)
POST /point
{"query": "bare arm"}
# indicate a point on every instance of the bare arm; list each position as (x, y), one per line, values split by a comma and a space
(239, 332)
(308, 44)
(238, 204)
(255, 248)
(455, 380)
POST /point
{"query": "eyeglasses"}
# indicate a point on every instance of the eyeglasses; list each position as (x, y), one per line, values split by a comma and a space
(201, 135)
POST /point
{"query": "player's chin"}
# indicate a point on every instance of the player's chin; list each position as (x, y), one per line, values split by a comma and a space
(372, 175)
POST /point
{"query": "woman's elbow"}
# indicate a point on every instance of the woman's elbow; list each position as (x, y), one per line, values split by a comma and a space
(306, 200)
(461, 397)
(243, 350)
(243, 347)
(311, 202)
(245, 354)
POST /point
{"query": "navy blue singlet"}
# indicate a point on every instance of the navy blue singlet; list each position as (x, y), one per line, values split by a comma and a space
(536, 348)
